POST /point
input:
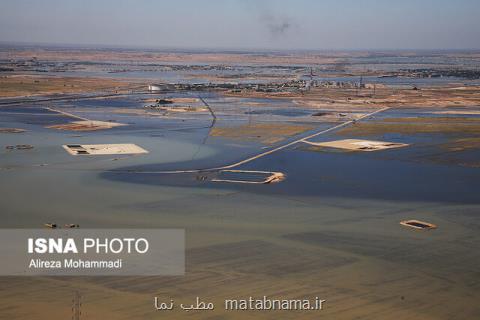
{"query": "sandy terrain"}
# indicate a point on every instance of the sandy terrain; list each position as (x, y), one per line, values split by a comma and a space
(459, 112)
(358, 145)
(333, 98)
(104, 149)
(86, 125)
(26, 85)
(160, 57)
(11, 130)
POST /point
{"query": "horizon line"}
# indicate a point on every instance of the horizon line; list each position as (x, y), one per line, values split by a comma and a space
(218, 48)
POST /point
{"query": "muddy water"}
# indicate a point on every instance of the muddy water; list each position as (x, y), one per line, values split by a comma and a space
(330, 229)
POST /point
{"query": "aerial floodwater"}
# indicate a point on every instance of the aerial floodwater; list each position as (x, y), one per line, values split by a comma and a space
(293, 175)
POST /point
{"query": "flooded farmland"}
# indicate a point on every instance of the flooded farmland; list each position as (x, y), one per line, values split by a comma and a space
(270, 203)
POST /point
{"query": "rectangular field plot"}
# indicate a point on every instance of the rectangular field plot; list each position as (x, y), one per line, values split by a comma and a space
(103, 149)
(86, 125)
(358, 145)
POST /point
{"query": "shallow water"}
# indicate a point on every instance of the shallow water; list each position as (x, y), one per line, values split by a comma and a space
(338, 212)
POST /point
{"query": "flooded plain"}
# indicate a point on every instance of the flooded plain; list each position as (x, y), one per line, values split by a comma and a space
(330, 227)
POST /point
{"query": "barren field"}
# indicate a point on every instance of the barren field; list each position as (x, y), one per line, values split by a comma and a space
(31, 85)
(334, 99)
(207, 57)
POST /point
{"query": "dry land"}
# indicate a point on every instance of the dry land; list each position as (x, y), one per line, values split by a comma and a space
(31, 85)
(86, 125)
(358, 145)
(343, 99)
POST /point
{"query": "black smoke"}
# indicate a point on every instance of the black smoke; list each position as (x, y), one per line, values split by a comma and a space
(278, 25)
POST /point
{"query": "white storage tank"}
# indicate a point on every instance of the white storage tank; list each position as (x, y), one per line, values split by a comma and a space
(153, 87)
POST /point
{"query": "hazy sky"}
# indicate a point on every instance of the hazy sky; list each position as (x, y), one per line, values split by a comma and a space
(279, 24)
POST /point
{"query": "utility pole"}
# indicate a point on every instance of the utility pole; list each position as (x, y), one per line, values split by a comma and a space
(76, 304)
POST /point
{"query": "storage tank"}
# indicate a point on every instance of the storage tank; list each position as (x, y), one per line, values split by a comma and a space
(153, 87)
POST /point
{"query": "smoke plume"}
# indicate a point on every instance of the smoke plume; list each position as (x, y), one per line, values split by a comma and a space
(277, 25)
